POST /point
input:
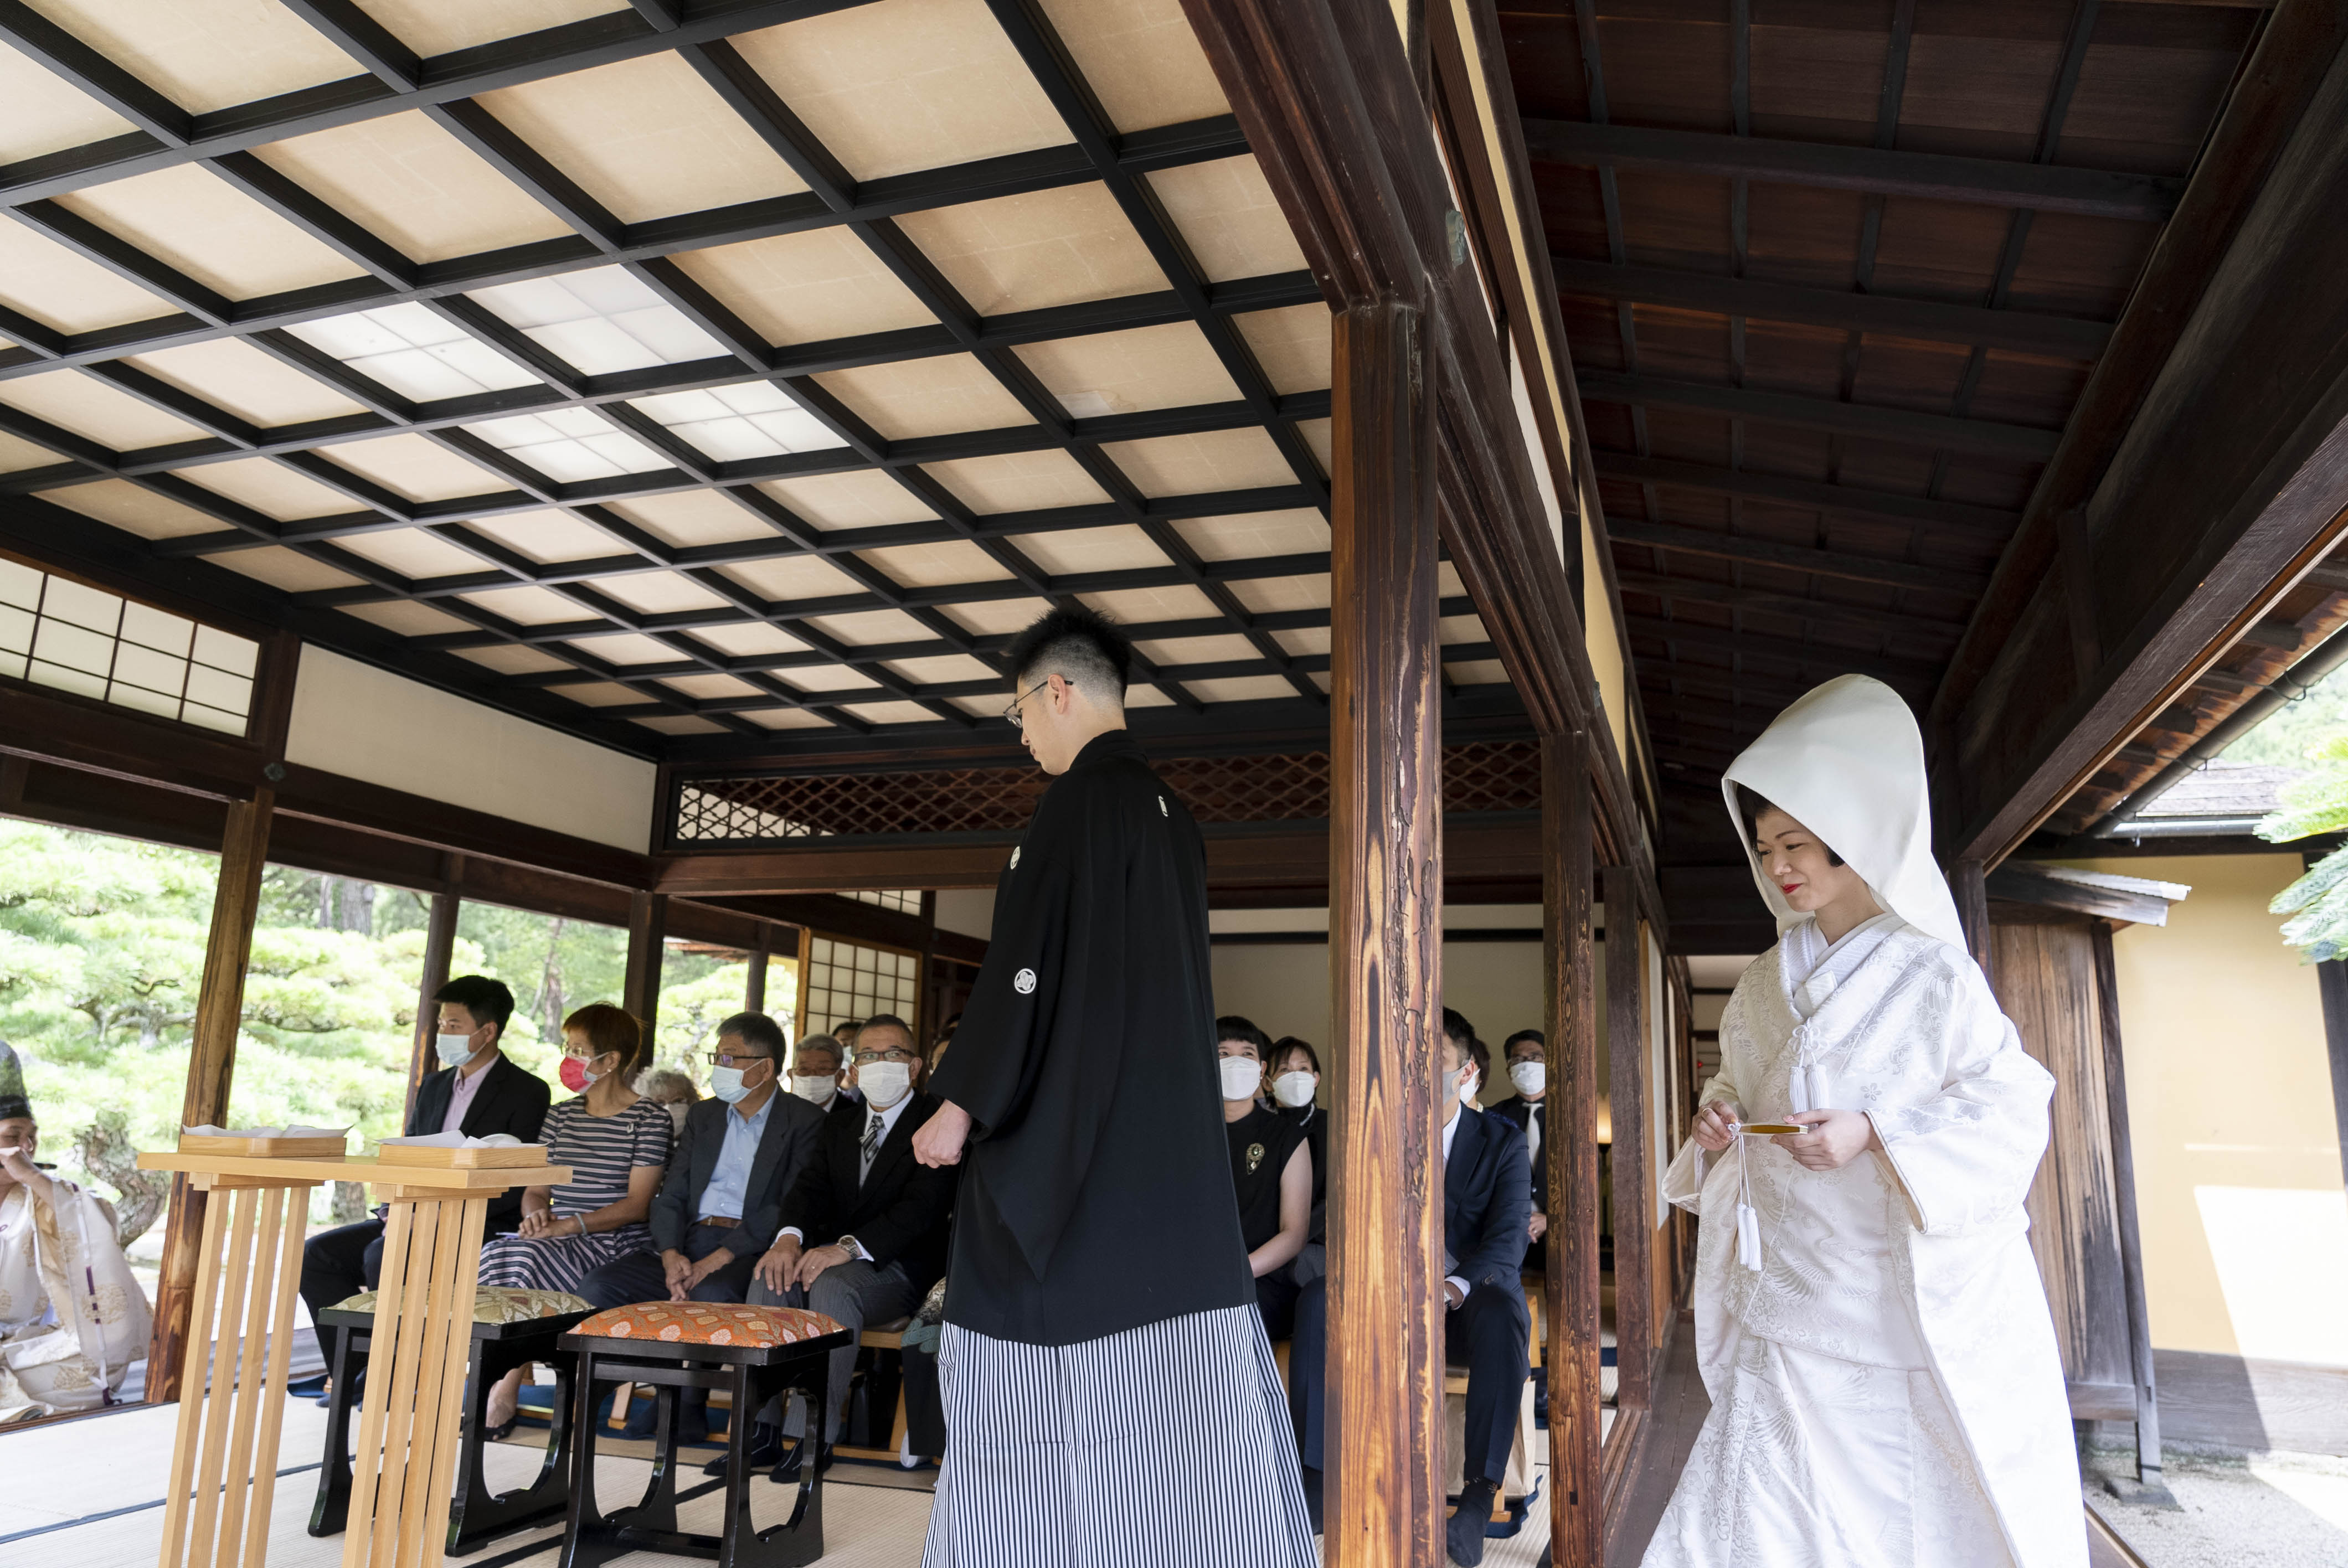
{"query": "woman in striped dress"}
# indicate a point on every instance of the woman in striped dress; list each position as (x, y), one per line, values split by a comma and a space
(616, 1143)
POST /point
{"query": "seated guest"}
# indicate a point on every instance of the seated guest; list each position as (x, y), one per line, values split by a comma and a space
(818, 1071)
(478, 1091)
(1296, 1085)
(721, 1202)
(72, 1317)
(1528, 1060)
(616, 1143)
(1485, 1195)
(945, 1039)
(1272, 1172)
(864, 1228)
(666, 1086)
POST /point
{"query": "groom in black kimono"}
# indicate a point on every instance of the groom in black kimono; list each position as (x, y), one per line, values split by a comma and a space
(1108, 1389)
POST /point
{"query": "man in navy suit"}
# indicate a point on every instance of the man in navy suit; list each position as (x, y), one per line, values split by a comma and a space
(1486, 1199)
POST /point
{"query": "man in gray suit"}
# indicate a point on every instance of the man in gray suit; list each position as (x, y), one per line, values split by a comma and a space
(721, 1202)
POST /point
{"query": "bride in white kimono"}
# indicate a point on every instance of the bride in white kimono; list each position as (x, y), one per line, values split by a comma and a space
(1886, 1390)
(72, 1317)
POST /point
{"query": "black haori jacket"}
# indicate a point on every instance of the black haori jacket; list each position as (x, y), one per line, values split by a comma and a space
(1098, 1195)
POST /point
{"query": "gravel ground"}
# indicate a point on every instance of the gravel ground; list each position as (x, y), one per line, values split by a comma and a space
(2260, 1511)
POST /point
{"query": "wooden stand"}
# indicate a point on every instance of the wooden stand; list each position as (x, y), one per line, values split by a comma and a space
(424, 1318)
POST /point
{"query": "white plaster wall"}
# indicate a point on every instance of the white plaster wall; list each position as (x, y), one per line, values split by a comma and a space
(967, 911)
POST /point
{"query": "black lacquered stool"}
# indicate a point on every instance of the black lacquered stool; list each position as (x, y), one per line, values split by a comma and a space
(753, 1352)
(512, 1328)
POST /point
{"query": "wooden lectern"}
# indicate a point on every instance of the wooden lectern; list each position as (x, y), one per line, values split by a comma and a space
(405, 1475)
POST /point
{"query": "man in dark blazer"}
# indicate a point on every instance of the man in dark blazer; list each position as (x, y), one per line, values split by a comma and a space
(1487, 1195)
(864, 1228)
(722, 1200)
(478, 1091)
(1526, 1054)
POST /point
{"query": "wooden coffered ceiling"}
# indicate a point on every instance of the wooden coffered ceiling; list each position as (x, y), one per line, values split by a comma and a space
(715, 379)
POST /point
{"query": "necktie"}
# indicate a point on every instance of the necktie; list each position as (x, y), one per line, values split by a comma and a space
(872, 1147)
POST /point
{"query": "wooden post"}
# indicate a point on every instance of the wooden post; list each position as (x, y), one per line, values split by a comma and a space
(647, 937)
(799, 990)
(2332, 985)
(754, 991)
(211, 1067)
(1384, 1412)
(2139, 1315)
(1632, 1167)
(1575, 1501)
(440, 952)
(1968, 880)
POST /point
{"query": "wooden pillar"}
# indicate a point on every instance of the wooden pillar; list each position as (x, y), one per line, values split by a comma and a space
(212, 1067)
(2139, 1315)
(754, 992)
(439, 951)
(647, 938)
(2331, 984)
(799, 992)
(1385, 1413)
(1575, 1501)
(1968, 880)
(1626, 1079)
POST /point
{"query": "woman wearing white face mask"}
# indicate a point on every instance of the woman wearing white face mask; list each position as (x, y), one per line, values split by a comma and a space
(1296, 1085)
(1271, 1172)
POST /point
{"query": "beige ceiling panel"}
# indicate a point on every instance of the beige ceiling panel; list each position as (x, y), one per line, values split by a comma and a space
(409, 618)
(411, 183)
(711, 688)
(1291, 345)
(511, 658)
(1477, 672)
(954, 667)
(1044, 248)
(1018, 482)
(626, 648)
(528, 605)
(1203, 461)
(785, 719)
(1229, 217)
(1139, 606)
(904, 85)
(599, 693)
(192, 219)
(271, 488)
(443, 26)
(1447, 580)
(96, 411)
(807, 287)
(978, 707)
(681, 724)
(414, 553)
(748, 640)
(1304, 640)
(1124, 547)
(283, 569)
(1320, 678)
(1321, 436)
(688, 517)
(1461, 628)
(935, 565)
(863, 498)
(659, 592)
(1137, 696)
(1141, 60)
(787, 579)
(1242, 689)
(890, 713)
(205, 54)
(1250, 535)
(995, 616)
(938, 395)
(16, 455)
(647, 138)
(62, 291)
(415, 467)
(550, 536)
(1263, 594)
(135, 510)
(45, 112)
(871, 627)
(825, 678)
(1174, 650)
(238, 378)
(1168, 366)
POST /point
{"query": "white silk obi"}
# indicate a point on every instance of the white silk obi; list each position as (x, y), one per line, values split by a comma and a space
(1918, 1259)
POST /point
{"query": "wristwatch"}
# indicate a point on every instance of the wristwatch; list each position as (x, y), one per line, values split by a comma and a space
(851, 1246)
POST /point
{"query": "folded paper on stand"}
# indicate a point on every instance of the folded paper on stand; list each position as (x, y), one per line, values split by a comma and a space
(458, 1140)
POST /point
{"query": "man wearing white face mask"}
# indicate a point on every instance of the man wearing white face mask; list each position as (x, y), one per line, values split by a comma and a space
(477, 1090)
(1272, 1172)
(819, 1075)
(1527, 1052)
(878, 1218)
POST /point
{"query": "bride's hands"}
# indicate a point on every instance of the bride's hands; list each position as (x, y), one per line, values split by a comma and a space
(1715, 1124)
(1835, 1138)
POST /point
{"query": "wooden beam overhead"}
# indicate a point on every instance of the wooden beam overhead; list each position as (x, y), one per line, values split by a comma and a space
(1939, 431)
(1835, 500)
(1753, 551)
(1820, 611)
(1912, 674)
(1934, 177)
(2019, 331)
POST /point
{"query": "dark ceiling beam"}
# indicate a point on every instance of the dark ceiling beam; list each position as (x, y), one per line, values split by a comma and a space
(1932, 177)
(1762, 695)
(2057, 337)
(1911, 674)
(1939, 431)
(1749, 551)
(1817, 611)
(1835, 500)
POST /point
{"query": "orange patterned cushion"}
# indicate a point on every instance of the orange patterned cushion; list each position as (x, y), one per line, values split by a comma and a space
(709, 1322)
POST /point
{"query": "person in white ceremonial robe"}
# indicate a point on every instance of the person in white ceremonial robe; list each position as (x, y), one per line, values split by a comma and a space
(72, 1317)
(1871, 1327)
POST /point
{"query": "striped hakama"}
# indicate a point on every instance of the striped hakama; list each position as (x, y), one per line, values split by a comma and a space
(1165, 1446)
